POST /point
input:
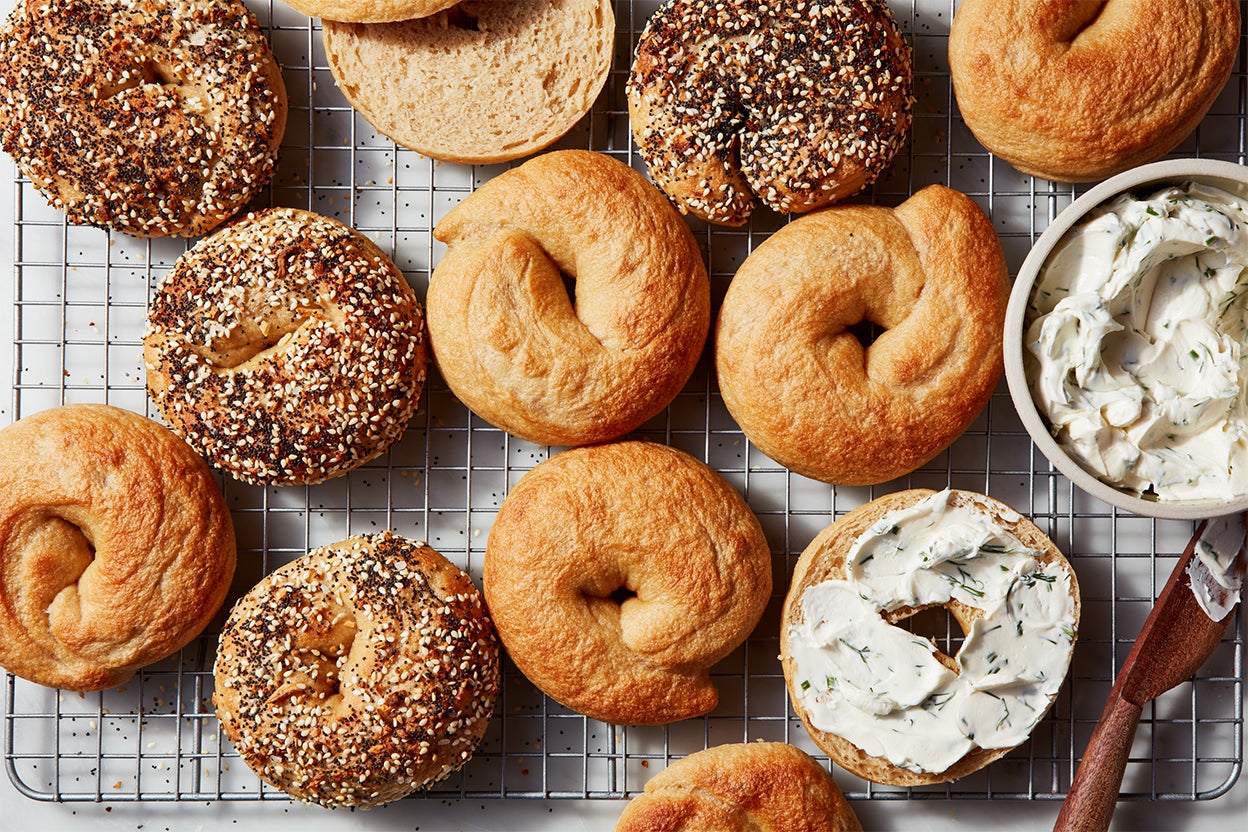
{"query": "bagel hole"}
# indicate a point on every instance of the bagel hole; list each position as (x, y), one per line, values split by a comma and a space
(147, 72)
(457, 18)
(866, 332)
(938, 625)
(622, 594)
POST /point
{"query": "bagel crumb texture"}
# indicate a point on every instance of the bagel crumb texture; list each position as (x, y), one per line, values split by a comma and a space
(358, 673)
(152, 117)
(286, 348)
(799, 102)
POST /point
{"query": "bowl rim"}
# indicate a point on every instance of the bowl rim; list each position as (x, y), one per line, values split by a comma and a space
(1227, 175)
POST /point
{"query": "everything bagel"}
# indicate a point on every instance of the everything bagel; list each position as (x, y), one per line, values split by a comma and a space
(116, 546)
(358, 673)
(153, 117)
(800, 104)
(286, 348)
(800, 384)
(1074, 91)
(517, 350)
(637, 518)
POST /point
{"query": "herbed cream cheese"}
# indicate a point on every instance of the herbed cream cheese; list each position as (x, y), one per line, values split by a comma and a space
(1136, 343)
(1216, 572)
(882, 688)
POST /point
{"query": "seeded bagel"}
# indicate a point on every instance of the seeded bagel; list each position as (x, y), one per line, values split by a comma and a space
(798, 104)
(358, 673)
(151, 117)
(286, 348)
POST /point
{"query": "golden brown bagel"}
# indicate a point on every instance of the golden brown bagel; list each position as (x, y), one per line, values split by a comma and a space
(286, 348)
(153, 117)
(369, 11)
(358, 673)
(804, 390)
(741, 787)
(507, 338)
(642, 518)
(116, 547)
(800, 104)
(825, 559)
(1078, 90)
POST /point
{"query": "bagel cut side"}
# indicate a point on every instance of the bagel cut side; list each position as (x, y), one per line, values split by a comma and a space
(478, 83)
(741, 787)
(825, 559)
(930, 273)
(1076, 91)
(618, 574)
(554, 369)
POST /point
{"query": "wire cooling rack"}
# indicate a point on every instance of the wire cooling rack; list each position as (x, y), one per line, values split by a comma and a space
(78, 300)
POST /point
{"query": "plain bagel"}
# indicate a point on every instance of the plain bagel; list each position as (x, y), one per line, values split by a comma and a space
(520, 352)
(618, 574)
(116, 546)
(152, 117)
(286, 348)
(1075, 91)
(358, 673)
(741, 787)
(801, 385)
(863, 576)
(798, 104)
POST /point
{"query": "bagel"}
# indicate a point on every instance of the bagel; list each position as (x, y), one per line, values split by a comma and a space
(1075, 91)
(286, 348)
(805, 390)
(800, 104)
(151, 117)
(479, 83)
(358, 673)
(116, 547)
(741, 787)
(369, 11)
(627, 519)
(513, 346)
(848, 668)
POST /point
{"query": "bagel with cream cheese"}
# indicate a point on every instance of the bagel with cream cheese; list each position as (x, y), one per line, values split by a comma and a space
(886, 703)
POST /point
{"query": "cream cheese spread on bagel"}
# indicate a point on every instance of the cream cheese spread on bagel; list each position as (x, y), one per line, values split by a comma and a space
(1136, 343)
(884, 688)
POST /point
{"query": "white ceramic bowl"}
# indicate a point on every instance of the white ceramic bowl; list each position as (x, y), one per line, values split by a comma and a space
(1224, 175)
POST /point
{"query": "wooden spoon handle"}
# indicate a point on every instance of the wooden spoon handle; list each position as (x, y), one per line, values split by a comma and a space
(1090, 802)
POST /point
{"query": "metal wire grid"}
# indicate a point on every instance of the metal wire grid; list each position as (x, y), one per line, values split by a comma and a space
(79, 298)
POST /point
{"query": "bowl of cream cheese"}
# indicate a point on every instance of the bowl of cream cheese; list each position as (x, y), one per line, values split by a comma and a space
(1126, 340)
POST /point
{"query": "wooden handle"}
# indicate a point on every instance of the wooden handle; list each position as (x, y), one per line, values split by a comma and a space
(1090, 803)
